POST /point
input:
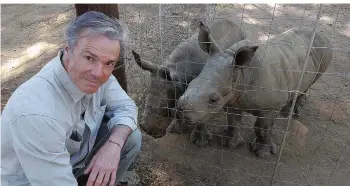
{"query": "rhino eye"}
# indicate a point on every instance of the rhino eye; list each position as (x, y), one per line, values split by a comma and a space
(213, 98)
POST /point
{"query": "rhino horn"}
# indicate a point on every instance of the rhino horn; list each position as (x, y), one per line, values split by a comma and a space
(144, 64)
(206, 41)
(244, 55)
(163, 72)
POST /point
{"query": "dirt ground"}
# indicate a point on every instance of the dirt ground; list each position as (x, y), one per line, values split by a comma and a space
(31, 35)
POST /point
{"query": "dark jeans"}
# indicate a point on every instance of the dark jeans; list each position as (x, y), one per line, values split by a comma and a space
(131, 148)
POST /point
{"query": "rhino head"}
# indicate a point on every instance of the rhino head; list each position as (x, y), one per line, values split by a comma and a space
(160, 101)
(216, 85)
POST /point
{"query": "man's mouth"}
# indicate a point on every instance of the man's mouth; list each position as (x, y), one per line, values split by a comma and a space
(92, 82)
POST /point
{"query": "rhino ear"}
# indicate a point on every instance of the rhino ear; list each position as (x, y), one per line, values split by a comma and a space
(144, 64)
(244, 55)
(206, 41)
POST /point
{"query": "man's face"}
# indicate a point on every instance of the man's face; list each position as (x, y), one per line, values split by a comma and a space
(92, 61)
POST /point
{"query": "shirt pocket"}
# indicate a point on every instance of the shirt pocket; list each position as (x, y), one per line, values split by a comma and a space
(73, 146)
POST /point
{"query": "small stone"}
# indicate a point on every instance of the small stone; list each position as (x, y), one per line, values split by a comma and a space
(133, 96)
(299, 131)
(131, 178)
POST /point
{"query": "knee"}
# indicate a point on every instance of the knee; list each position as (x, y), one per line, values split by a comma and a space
(134, 141)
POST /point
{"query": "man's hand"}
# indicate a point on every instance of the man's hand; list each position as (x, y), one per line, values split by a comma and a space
(104, 165)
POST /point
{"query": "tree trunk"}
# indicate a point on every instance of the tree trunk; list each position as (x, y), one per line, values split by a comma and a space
(110, 10)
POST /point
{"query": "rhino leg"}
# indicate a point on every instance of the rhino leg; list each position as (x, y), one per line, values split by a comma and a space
(297, 108)
(264, 145)
(201, 135)
(232, 137)
(172, 126)
(298, 104)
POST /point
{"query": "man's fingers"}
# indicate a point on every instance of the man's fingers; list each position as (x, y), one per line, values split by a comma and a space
(99, 179)
(113, 177)
(106, 178)
(92, 177)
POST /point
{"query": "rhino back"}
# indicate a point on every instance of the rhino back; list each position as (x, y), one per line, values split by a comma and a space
(321, 51)
(188, 59)
(277, 66)
(226, 33)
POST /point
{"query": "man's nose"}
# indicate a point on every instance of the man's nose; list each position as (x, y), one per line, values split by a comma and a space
(97, 71)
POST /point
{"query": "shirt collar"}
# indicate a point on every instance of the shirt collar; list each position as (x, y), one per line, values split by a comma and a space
(65, 79)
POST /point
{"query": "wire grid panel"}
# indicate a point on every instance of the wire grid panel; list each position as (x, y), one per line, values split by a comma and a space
(319, 158)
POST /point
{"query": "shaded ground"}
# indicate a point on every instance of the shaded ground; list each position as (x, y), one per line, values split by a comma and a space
(31, 35)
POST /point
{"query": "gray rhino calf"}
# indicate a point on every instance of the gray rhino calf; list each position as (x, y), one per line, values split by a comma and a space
(259, 79)
(169, 80)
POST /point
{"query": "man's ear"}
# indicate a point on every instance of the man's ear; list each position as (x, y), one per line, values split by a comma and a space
(206, 41)
(244, 55)
(65, 48)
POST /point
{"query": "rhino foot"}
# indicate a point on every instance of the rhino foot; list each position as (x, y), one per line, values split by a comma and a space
(296, 113)
(231, 142)
(262, 150)
(297, 110)
(201, 137)
(302, 100)
(234, 142)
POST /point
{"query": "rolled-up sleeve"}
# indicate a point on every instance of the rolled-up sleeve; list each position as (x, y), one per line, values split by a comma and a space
(121, 109)
(39, 143)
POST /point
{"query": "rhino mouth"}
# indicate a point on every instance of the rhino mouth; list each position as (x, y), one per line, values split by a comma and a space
(153, 131)
(155, 126)
(190, 117)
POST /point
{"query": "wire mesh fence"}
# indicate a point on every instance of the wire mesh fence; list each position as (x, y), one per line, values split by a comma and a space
(321, 157)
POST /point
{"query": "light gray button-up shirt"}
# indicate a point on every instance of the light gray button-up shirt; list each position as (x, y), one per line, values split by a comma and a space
(39, 118)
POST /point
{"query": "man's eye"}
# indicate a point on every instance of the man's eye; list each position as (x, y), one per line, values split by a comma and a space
(89, 58)
(110, 64)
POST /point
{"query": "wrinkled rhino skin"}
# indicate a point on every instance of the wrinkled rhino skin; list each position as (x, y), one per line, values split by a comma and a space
(254, 78)
(170, 79)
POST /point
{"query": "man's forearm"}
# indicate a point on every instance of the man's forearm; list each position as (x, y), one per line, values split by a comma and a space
(120, 134)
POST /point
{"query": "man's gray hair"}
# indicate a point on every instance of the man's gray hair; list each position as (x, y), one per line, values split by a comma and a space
(98, 24)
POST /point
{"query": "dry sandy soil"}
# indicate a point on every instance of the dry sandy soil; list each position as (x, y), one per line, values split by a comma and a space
(31, 35)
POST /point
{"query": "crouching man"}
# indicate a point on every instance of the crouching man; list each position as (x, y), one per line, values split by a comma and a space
(72, 119)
